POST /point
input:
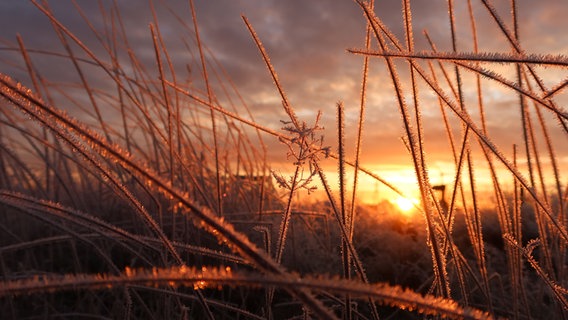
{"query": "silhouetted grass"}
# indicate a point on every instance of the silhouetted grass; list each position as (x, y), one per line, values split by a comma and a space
(154, 200)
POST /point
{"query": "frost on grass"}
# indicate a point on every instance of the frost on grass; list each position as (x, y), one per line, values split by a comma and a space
(305, 147)
(218, 277)
(560, 293)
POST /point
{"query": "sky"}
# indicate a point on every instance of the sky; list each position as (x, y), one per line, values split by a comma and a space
(307, 42)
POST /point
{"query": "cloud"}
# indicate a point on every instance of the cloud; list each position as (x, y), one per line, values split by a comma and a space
(307, 42)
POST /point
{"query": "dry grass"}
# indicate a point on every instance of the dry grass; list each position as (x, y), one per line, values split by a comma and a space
(169, 209)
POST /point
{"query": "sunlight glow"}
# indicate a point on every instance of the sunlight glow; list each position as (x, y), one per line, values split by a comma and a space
(405, 204)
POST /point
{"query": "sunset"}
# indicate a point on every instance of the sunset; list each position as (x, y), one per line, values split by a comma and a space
(405, 204)
(284, 159)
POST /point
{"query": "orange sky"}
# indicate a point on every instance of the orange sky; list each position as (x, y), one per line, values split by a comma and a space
(307, 42)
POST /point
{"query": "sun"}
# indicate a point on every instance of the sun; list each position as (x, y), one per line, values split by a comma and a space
(405, 204)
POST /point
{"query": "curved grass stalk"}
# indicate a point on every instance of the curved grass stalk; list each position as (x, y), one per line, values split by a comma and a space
(61, 125)
(74, 132)
(464, 116)
(104, 229)
(149, 242)
(213, 277)
(20, 169)
(17, 200)
(47, 214)
(560, 293)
